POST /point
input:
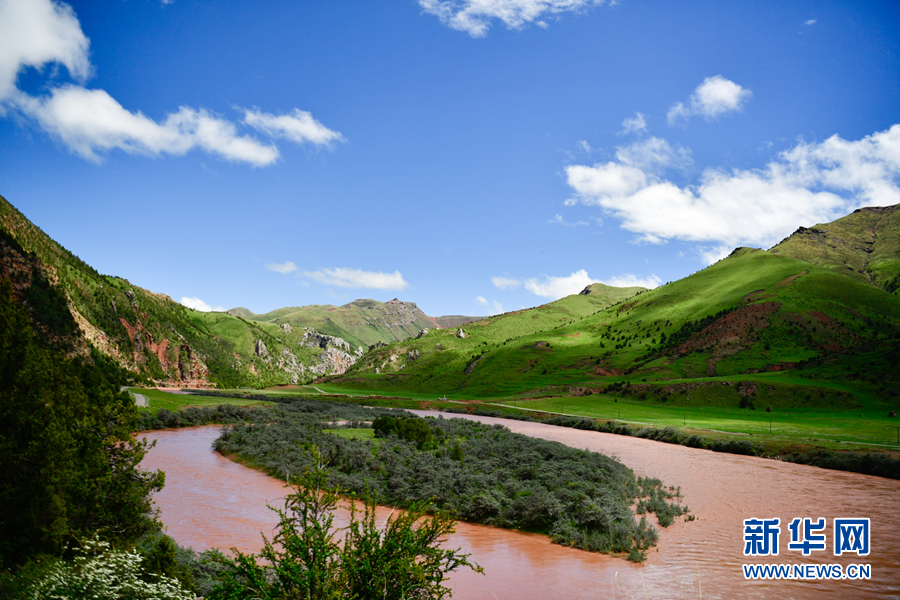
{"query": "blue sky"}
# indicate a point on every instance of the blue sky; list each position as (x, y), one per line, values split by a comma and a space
(469, 157)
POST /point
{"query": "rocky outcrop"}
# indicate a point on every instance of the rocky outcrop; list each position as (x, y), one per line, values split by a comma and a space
(314, 339)
(471, 366)
(333, 362)
(412, 355)
(461, 334)
(422, 334)
(286, 327)
(260, 349)
(192, 372)
(288, 363)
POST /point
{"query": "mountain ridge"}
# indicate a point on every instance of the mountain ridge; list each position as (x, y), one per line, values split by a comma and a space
(859, 245)
(157, 339)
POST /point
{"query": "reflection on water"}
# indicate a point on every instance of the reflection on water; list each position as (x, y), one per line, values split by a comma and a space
(210, 501)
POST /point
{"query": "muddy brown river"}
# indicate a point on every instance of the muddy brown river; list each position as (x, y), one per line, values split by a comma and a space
(210, 501)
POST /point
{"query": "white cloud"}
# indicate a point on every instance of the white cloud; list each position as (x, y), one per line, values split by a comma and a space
(558, 220)
(496, 307)
(584, 146)
(89, 122)
(284, 268)
(505, 283)
(559, 287)
(298, 127)
(633, 170)
(634, 281)
(713, 98)
(475, 16)
(713, 254)
(34, 33)
(810, 22)
(654, 154)
(634, 124)
(200, 305)
(356, 278)
(810, 183)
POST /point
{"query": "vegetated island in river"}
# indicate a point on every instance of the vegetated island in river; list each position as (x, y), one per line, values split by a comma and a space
(480, 473)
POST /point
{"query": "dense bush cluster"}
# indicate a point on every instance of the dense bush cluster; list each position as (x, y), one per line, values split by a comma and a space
(484, 474)
(193, 416)
(224, 414)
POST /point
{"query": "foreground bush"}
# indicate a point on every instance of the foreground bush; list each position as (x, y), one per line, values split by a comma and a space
(402, 559)
(99, 572)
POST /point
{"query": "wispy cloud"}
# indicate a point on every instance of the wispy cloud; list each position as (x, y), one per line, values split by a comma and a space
(475, 16)
(634, 124)
(496, 307)
(810, 183)
(356, 278)
(300, 127)
(90, 122)
(200, 305)
(558, 220)
(713, 98)
(505, 283)
(810, 22)
(284, 268)
(654, 154)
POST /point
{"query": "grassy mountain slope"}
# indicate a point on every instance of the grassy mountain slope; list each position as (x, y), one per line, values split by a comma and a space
(149, 334)
(443, 357)
(864, 245)
(754, 312)
(361, 322)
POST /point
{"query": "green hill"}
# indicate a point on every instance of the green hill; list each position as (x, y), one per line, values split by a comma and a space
(149, 334)
(156, 338)
(864, 245)
(816, 337)
(361, 322)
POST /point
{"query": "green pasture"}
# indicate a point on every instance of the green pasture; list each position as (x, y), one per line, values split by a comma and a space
(834, 413)
(159, 399)
(353, 434)
(815, 426)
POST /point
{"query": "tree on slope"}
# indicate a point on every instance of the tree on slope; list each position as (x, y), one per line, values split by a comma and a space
(68, 459)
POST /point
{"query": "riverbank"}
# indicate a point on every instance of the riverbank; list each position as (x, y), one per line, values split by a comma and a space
(880, 461)
(211, 502)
